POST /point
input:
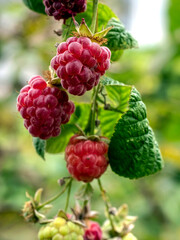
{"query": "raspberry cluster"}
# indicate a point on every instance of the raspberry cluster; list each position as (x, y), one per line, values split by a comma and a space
(93, 232)
(64, 9)
(43, 108)
(86, 159)
(61, 229)
(80, 63)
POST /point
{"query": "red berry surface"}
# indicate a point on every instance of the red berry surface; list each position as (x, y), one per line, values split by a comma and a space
(93, 232)
(64, 9)
(80, 63)
(43, 108)
(86, 159)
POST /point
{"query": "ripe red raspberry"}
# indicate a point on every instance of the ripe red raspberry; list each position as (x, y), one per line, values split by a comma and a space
(86, 159)
(64, 9)
(43, 108)
(93, 232)
(80, 63)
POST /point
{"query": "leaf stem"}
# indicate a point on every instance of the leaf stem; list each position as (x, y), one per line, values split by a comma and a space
(105, 199)
(94, 18)
(68, 194)
(55, 197)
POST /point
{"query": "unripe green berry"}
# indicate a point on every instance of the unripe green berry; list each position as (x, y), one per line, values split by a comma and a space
(57, 237)
(129, 236)
(60, 229)
(64, 230)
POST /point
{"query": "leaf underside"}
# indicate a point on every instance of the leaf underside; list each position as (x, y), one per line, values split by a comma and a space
(39, 145)
(133, 150)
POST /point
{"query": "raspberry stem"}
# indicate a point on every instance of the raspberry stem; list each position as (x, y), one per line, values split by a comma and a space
(94, 19)
(68, 194)
(93, 109)
(57, 196)
(106, 201)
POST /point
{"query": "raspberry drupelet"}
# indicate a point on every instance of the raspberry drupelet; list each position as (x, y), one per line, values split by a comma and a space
(93, 232)
(43, 108)
(86, 159)
(80, 63)
(64, 9)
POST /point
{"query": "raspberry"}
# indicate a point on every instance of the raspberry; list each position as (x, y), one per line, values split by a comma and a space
(93, 232)
(80, 63)
(86, 159)
(61, 229)
(64, 9)
(43, 108)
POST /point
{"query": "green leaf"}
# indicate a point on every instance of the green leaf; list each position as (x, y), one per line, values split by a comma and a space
(116, 55)
(133, 150)
(35, 5)
(59, 143)
(104, 15)
(118, 37)
(39, 145)
(118, 96)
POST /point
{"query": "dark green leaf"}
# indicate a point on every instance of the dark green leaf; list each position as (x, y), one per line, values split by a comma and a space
(59, 143)
(104, 15)
(39, 145)
(35, 5)
(118, 37)
(133, 150)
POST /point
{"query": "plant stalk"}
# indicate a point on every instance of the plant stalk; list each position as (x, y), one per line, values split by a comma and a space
(68, 195)
(105, 199)
(55, 197)
(94, 18)
(93, 109)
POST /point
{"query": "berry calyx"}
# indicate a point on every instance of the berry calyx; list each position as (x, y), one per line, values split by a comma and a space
(43, 108)
(80, 63)
(93, 232)
(86, 159)
(61, 229)
(64, 9)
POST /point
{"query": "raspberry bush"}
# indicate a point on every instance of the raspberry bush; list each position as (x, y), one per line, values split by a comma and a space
(110, 130)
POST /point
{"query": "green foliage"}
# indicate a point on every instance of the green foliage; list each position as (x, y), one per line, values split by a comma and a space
(39, 145)
(116, 55)
(104, 15)
(118, 37)
(174, 23)
(59, 143)
(35, 5)
(118, 96)
(133, 150)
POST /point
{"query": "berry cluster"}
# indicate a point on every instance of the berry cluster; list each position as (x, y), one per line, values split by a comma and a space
(43, 108)
(61, 229)
(86, 159)
(93, 232)
(80, 63)
(64, 9)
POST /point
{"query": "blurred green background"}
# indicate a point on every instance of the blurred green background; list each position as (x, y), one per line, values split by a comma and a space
(26, 46)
